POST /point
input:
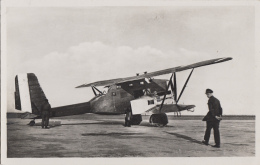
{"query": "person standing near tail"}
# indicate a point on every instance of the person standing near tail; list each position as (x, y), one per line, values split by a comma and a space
(45, 113)
(128, 117)
(213, 118)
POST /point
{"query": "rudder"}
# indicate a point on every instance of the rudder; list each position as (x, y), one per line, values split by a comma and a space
(29, 95)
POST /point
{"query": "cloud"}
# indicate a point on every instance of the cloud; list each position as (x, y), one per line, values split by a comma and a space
(98, 61)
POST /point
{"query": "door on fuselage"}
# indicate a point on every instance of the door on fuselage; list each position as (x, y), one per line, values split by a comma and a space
(121, 99)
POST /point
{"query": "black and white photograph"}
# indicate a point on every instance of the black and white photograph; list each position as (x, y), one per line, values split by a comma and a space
(129, 81)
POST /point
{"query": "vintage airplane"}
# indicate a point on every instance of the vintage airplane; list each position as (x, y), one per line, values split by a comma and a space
(141, 93)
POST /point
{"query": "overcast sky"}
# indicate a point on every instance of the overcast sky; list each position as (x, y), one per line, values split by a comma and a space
(66, 47)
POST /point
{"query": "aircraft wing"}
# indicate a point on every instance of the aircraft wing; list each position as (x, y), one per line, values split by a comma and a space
(156, 73)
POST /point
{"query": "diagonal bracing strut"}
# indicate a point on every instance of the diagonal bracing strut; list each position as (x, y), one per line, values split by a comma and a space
(184, 86)
(170, 82)
(95, 89)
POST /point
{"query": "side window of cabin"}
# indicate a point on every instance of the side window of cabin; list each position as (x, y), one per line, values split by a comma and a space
(150, 102)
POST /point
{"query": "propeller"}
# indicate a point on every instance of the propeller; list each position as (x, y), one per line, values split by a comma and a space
(174, 88)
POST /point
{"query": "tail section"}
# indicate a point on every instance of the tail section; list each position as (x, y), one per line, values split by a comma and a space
(29, 95)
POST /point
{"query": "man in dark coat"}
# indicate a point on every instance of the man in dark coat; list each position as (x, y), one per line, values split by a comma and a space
(128, 117)
(213, 118)
(45, 113)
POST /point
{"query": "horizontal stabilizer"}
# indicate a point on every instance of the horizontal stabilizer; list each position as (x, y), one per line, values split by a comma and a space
(28, 115)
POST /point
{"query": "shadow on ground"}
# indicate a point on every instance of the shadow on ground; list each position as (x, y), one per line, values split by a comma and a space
(102, 122)
(186, 138)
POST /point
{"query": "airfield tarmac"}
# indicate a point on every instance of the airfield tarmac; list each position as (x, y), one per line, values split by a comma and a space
(105, 136)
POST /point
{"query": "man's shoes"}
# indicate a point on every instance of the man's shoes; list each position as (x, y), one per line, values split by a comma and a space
(216, 146)
(46, 127)
(204, 142)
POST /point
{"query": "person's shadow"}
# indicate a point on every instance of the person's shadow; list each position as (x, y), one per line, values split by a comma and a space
(185, 137)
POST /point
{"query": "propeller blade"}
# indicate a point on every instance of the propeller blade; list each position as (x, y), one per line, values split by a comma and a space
(185, 85)
(173, 91)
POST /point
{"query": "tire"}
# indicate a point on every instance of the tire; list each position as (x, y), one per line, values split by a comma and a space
(32, 123)
(136, 119)
(160, 119)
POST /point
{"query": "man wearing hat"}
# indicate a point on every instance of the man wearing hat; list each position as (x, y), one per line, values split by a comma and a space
(45, 113)
(212, 118)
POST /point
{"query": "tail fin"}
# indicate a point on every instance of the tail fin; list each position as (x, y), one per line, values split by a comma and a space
(29, 95)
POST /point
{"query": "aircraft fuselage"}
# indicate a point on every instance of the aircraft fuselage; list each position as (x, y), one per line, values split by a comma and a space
(118, 98)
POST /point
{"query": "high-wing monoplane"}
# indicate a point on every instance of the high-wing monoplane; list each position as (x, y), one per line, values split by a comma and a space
(141, 93)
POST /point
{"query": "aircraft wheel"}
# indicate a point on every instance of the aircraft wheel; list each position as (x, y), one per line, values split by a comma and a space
(159, 119)
(32, 123)
(136, 119)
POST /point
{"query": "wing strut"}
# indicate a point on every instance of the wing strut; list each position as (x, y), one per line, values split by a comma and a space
(95, 89)
(184, 85)
(170, 83)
